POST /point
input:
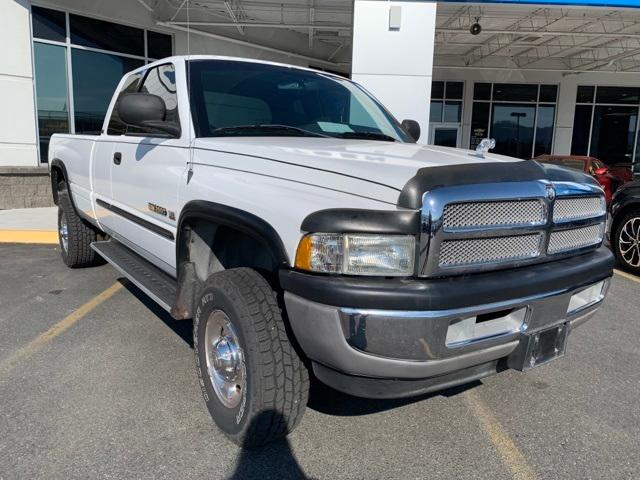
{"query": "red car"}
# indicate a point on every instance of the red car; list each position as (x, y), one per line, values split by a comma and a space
(610, 178)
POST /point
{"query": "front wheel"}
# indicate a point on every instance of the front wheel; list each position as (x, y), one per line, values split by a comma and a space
(252, 380)
(626, 242)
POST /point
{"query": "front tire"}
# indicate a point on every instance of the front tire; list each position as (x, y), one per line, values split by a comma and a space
(75, 235)
(626, 242)
(252, 380)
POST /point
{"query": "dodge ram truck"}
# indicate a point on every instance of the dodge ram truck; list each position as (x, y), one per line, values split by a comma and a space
(305, 232)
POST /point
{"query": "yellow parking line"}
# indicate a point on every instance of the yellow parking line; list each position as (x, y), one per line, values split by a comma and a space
(626, 275)
(7, 364)
(29, 236)
(512, 458)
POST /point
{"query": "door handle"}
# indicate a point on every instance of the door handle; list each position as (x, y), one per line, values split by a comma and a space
(117, 158)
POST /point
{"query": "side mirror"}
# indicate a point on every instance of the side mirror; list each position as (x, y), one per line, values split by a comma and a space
(146, 110)
(412, 128)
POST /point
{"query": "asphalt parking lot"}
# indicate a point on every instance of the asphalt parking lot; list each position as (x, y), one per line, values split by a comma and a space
(96, 381)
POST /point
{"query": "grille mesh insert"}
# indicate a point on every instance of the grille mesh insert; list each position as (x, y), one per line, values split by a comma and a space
(488, 250)
(565, 240)
(490, 214)
(578, 208)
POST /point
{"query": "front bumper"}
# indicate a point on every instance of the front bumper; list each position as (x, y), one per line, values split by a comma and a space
(373, 351)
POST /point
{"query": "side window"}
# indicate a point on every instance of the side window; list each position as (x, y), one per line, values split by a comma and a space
(117, 126)
(161, 81)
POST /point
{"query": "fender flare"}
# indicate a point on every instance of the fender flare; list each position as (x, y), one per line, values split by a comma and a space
(232, 217)
(58, 164)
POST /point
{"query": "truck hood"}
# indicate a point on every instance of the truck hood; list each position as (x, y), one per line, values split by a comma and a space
(386, 163)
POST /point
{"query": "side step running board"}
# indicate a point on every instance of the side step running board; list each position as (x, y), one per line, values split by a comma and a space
(144, 275)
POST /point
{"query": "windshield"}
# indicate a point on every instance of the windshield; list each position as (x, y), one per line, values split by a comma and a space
(235, 98)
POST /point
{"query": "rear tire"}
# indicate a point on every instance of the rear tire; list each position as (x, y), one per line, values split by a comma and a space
(252, 380)
(626, 242)
(75, 235)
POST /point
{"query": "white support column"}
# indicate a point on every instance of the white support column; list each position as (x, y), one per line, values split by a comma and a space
(393, 44)
(18, 120)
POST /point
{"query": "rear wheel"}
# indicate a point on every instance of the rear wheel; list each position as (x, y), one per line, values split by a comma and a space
(75, 235)
(626, 242)
(252, 380)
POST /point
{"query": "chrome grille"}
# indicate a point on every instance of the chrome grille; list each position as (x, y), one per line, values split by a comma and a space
(566, 209)
(489, 250)
(575, 238)
(482, 227)
(488, 214)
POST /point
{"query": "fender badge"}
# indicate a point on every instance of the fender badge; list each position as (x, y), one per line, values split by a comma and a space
(551, 192)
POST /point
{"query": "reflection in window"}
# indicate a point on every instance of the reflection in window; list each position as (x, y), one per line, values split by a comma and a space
(452, 112)
(614, 132)
(544, 129)
(117, 126)
(161, 81)
(581, 127)
(95, 77)
(512, 128)
(435, 113)
(51, 92)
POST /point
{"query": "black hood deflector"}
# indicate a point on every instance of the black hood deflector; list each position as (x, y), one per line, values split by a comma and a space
(430, 178)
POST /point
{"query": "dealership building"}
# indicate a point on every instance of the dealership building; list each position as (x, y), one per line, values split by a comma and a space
(540, 77)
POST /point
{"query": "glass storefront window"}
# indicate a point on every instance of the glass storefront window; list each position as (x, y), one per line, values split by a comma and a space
(95, 77)
(614, 133)
(512, 127)
(482, 91)
(48, 24)
(585, 94)
(435, 112)
(108, 51)
(89, 32)
(452, 112)
(520, 117)
(581, 129)
(618, 95)
(605, 124)
(50, 65)
(515, 92)
(544, 129)
(158, 45)
(548, 93)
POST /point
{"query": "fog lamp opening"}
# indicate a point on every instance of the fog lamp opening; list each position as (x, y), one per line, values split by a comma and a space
(471, 329)
(586, 297)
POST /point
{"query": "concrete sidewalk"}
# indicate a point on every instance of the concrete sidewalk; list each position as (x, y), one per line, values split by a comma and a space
(29, 225)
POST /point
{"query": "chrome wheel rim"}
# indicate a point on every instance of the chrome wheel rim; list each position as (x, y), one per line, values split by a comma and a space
(225, 359)
(629, 242)
(63, 231)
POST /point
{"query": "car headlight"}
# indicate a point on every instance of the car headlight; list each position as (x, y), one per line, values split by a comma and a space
(357, 254)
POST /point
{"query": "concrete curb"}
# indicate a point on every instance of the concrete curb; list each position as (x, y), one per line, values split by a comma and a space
(49, 237)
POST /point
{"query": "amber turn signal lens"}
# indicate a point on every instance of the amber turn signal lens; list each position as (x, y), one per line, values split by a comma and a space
(303, 254)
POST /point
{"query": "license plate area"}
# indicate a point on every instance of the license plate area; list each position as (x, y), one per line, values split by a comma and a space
(540, 347)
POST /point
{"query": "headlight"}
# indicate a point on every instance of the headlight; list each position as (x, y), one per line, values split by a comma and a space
(357, 254)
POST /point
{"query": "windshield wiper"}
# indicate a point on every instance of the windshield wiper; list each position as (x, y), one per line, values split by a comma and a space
(267, 127)
(368, 136)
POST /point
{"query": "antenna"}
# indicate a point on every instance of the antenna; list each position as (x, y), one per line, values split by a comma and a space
(190, 120)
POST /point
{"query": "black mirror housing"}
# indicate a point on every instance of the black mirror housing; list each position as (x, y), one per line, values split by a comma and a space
(412, 128)
(145, 110)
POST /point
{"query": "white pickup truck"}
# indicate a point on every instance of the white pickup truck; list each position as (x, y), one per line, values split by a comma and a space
(303, 230)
